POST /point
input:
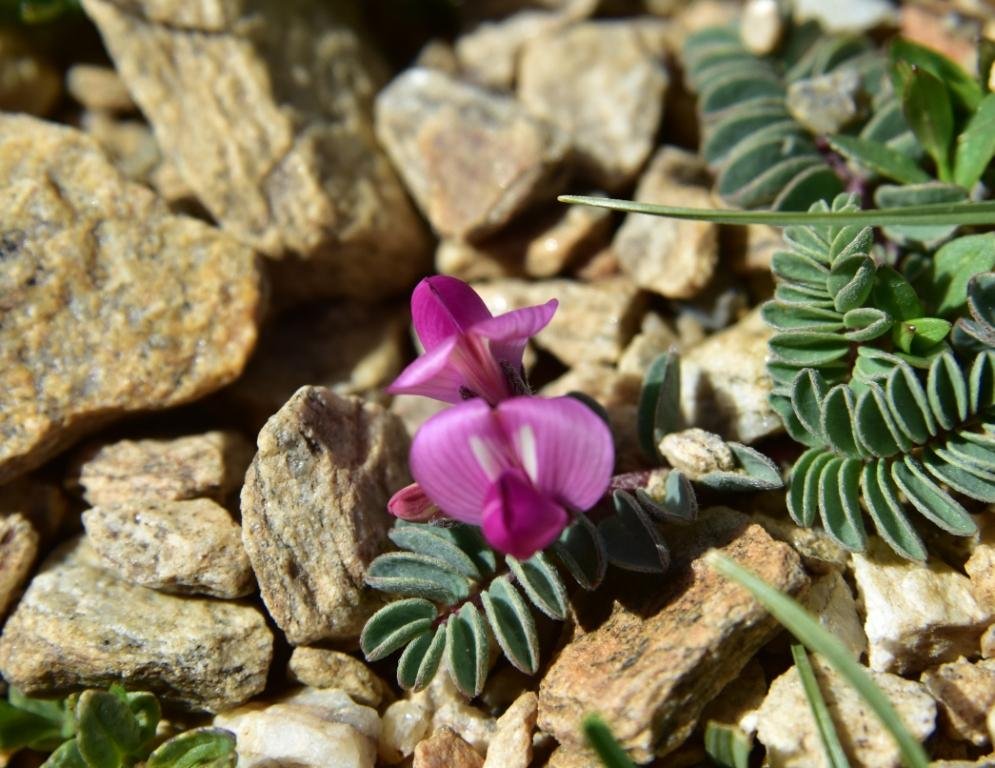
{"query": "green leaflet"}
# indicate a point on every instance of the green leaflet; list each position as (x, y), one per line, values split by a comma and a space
(944, 286)
(727, 745)
(421, 659)
(931, 500)
(929, 112)
(659, 403)
(758, 473)
(513, 625)
(879, 158)
(36, 723)
(580, 549)
(108, 732)
(394, 625)
(66, 756)
(542, 584)
(962, 86)
(600, 739)
(631, 539)
(434, 541)
(407, 573)
(199, 748)
(975, 145)
(467, 650)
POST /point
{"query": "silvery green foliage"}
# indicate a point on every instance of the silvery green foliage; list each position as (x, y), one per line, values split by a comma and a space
(763, 157)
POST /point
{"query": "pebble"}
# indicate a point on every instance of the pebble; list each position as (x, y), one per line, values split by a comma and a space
(831, 602)
(405, 724)
(327, 668)
(511, 745)
(827, 103)
(965, 692)
(445, 749)
(761, 26)
(98, 87)
(696, 452)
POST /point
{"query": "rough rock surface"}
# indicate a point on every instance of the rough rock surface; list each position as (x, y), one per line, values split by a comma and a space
(307, 729)
(405, 724)
(265, 108)
(649, 669)
(673, 258)
(110, 304)
(325, 668)
(831, 602)
(980, 566)
(18, 550)
(825, 104)
(129, 144)
(445, 749)
(80, 626)
(210, 465)
(184, 547)
(471, 158)
(98, 88)
(696, 452)
(313, 510)
(450, 709)
(786, 727)
(916, 615)
(602, 84)
(966, 694)
(511, 745)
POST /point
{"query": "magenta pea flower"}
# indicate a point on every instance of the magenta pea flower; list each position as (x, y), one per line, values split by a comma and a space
(517, 470)
(468, 352)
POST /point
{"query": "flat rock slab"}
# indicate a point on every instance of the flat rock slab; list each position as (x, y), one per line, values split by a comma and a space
(265, 108)
(314, 510)
(649, 671)
(80, 626)
(110, 304)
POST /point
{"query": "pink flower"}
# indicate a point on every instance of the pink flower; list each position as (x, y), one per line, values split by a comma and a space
(515, 470)
(411, 504)
(468, 352)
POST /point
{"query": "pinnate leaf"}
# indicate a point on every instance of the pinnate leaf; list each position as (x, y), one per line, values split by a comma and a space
(198, 748)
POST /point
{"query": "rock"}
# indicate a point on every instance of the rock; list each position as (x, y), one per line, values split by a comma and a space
(761, 26)
(307, 729)
(724, 382)
(438, 54)
(846, 15)
(980, 566)
(696, 452)
(966, 694)
(18, 550)
(916, 615)
(818, 551)
(210, 465)
(592, 324)
(444, 749)
(832, 603)
(952, 34)
(573, 757)
(182, 547)
(450, 710)
(98, 88)
(601, 84)
(325, 668)
(471, 158)
(266, 112)
(651, 667)
(28, 83)
(827, 103)
(988, 642)
(739, 701)
(673, 258)
(788, 730)
(314, 510)
(80, 626)
(415, 410)
(100, 346)
(755, 246)
(654, 339)
(129, 144)
(511, 745)
(351, 348)
(405, 724)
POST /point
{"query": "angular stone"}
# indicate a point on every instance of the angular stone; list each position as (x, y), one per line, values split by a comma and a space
(445, 749)
(739, 701)
(471, 158)
(696, 452)
(655, 337)
(788, 730)
(724, 382)
(307, 729)
(314, 510)
(265, 108)
(28, 82)
(651, 667)
(601, 84)
(673, 258)
(405, 724)
(818, 551)
(762, 26)
(18, 550)
(80, 626)
(98, 88)
(111, 304)
(916, 615)
(210, 465)
(511, 745)
(966, 694)
(450, 710)
(831, 602)
(593, 323)
(183, 547)
(325, 668)
(827, 103)
(129, 144)
(980, 566)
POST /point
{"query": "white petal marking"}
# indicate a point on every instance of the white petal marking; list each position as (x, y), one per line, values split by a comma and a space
(484, 454)
(527, 453)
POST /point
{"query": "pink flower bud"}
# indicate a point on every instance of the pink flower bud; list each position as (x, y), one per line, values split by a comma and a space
(411, 504)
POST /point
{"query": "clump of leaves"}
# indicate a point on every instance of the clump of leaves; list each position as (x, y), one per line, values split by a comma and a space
(107, 729)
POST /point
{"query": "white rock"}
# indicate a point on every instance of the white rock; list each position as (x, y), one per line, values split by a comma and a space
(831, 600)
(405, 723)
(846, 15)
(450, 709)
(761, 26)
(916, 615)
(511, 745)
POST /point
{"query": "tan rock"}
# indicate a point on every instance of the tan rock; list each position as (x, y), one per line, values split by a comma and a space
(651, 667)
(314, 510)
(111, 304)
(307, 729)
(438, 54)
(980, 566)
(831, 602)
(762, 26)
(28, 83)
(405, 725)
(593, 323)
(325, 668)
(183, 547)
(988, 642)
(966, 694)
(846, 15)
(444, 749)
(755, 246)
(415, 410)
(129, 144)
(724, 382)
(573, 757)
(210, 465)
(511, 745)
(450, 710)
(818, 551)
(18, 550)
(98, 88)
(79, 626)
(916, 615)
(266, 112)
(654, 338)
(788, 730)
(956, 39)
(827, 103)
(471, 158)
(696, 452)
(598, 82)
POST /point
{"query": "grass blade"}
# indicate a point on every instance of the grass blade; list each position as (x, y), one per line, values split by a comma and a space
(599, 737)
(835, 755)
(818, 640)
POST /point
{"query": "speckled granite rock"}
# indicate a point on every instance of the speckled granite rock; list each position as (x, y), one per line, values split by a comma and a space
(210, 465)
(314, 510)
(265, 108)
(80, 626)
(472, 158)
(184, 547)
(111, 304)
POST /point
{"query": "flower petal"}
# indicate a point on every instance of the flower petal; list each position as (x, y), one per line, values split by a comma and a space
(442, 307)
(457, 455)
(518, 520)
(509, 332)
(412, 504)
(563, 446)
(433, 374)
